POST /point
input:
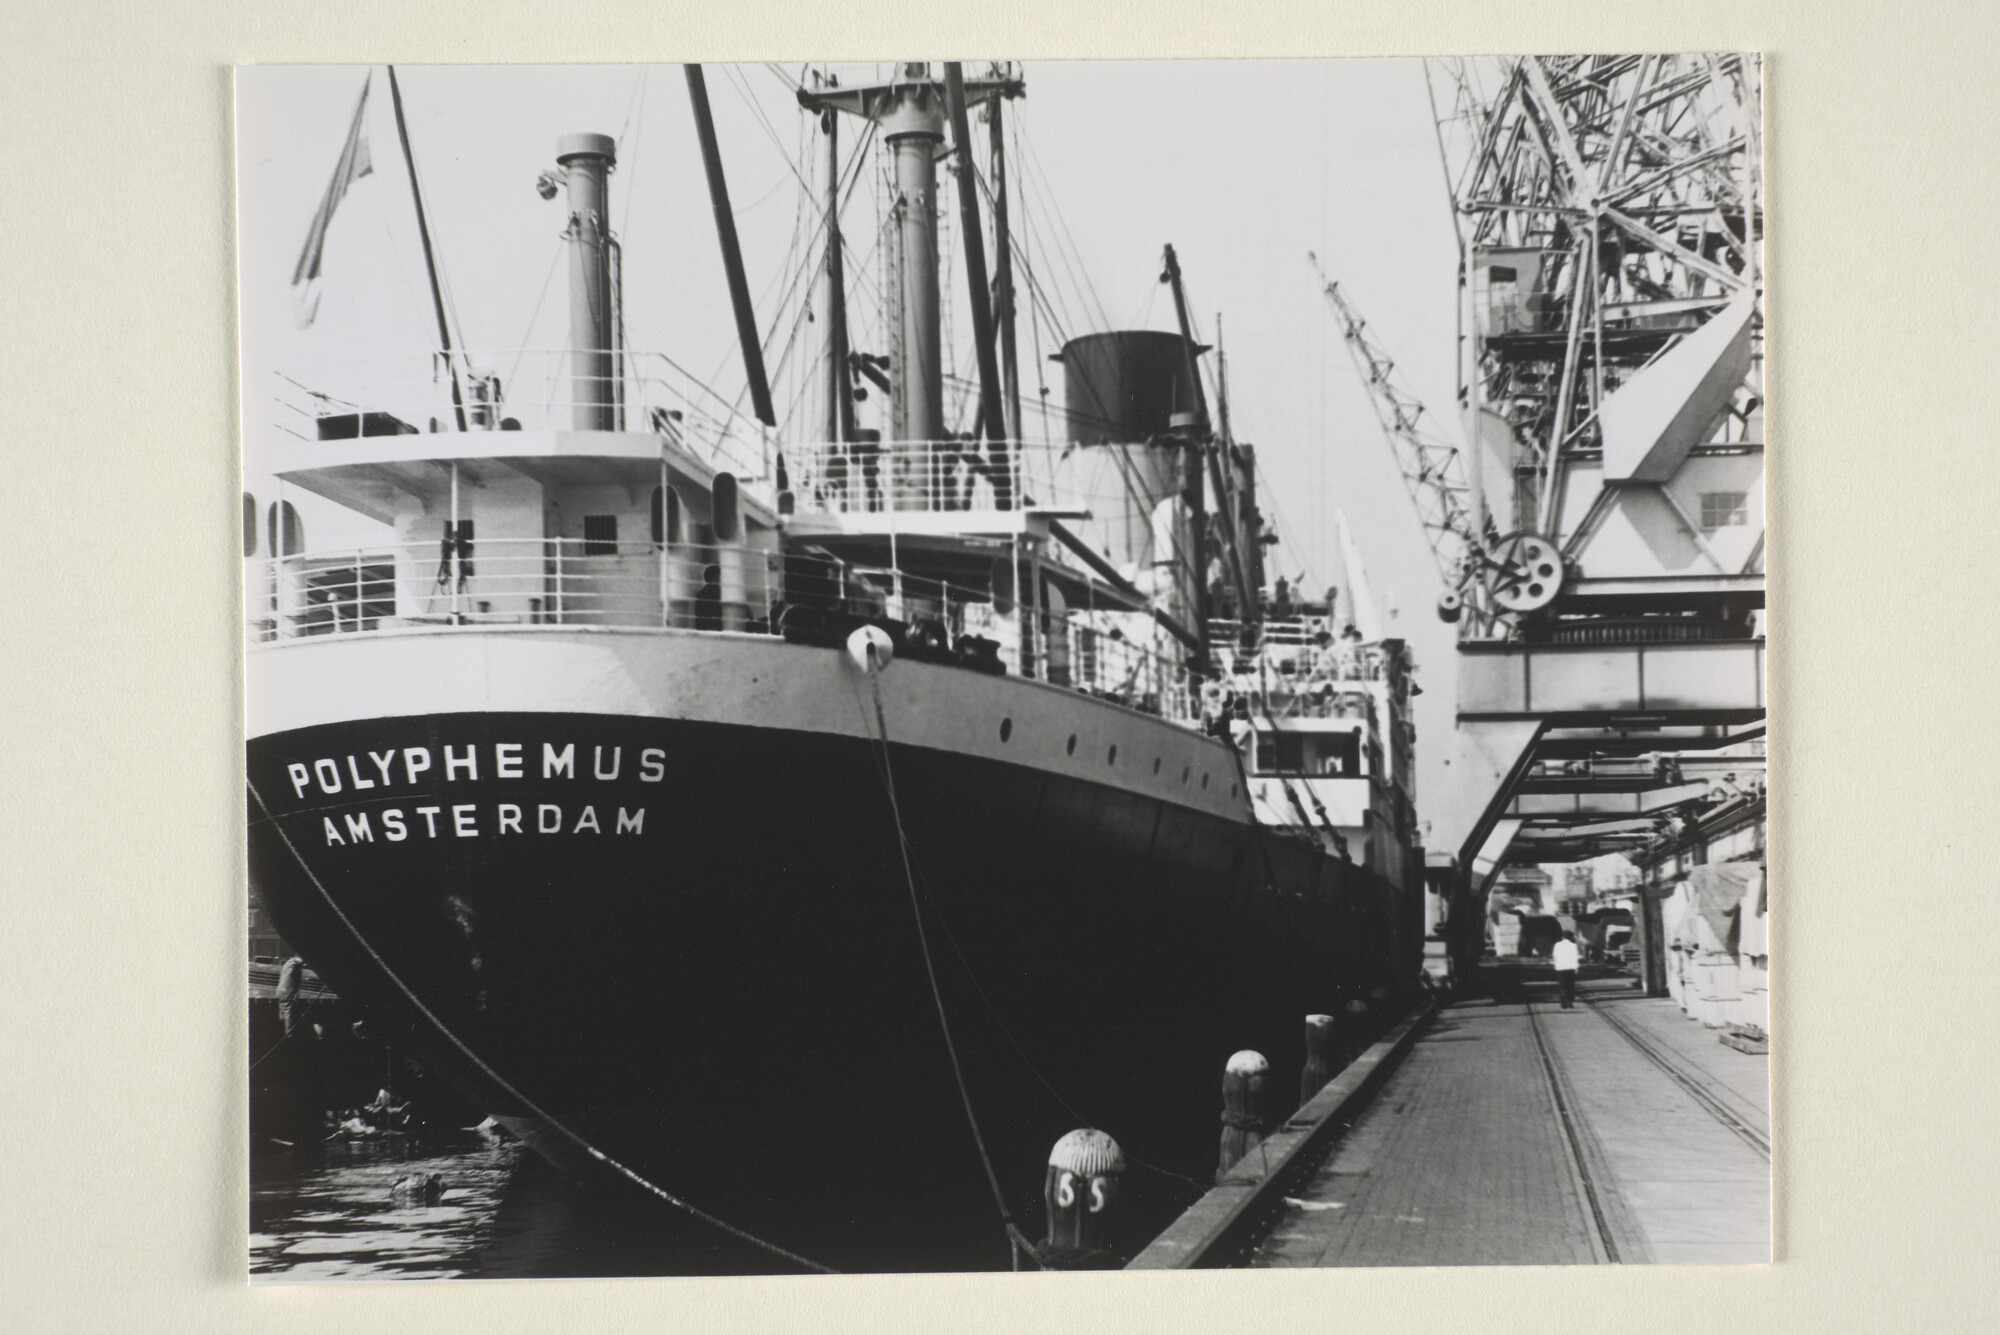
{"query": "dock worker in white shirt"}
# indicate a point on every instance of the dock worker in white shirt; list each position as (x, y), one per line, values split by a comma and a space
(1564, 957)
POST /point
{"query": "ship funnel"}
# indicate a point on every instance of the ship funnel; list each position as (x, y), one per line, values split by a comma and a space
(1123, 393)
(1124, 387)
(585, 162)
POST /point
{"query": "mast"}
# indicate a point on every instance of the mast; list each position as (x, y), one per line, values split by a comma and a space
(1242, 468)
(839, 400)
(1193, 493)
(910, 113)
(1003, 273)
(1203, 445)
(732, 253)
(430, 260)
(991, 417)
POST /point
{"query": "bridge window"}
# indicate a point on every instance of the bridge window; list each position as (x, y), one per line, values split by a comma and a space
(1280, 752)
(1340, 753)
(1723, 509)
(600, 535)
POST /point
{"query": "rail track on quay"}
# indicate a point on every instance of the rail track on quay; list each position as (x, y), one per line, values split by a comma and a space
(1698, 1086)
(1616, 1237)
(1587, 1155)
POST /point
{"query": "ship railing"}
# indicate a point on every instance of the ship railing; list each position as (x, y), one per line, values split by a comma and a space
(875, 477)
(512, 582)
(953, 476)
(530, 390)
(1086, 650)
(582, 582)
(1304, 652)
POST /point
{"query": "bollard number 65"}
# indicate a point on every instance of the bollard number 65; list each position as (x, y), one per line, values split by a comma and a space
(1066, 1192)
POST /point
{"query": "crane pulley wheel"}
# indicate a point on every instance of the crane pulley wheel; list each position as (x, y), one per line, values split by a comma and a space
(1525, 572)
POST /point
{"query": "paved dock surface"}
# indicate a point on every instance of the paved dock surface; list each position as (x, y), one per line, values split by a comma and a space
(1517, 1133)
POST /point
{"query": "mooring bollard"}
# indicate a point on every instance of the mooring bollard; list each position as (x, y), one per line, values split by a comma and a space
(1243, 1120)
(1080, 1193)
(1320, 1065)
(290, 1011)
(1354, 1030)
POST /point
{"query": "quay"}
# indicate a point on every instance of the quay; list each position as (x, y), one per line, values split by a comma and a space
(1512, 1132)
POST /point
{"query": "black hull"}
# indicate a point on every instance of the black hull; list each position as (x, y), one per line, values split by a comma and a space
(732, 997)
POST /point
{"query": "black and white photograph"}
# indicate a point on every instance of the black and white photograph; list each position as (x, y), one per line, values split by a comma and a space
(1004, 666)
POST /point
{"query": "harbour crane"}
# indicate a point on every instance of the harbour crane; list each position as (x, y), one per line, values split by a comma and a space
(1609, 217)
(1432, 469)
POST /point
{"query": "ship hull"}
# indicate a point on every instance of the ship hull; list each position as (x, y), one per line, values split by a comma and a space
(694, 943)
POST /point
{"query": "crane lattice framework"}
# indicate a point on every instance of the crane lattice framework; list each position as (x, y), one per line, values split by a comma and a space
(1609, 218)
(1608, 213)
(1431, 467)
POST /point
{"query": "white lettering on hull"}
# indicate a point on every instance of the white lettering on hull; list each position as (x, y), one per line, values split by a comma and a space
(465, 823)
(462, 765)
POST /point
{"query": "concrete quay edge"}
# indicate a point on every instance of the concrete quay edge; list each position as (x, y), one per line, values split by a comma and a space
(1226, 1218)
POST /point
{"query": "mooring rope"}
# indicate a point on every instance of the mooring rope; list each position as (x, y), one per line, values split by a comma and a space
(506, 1085)
(972, 977)
(1017, 1241)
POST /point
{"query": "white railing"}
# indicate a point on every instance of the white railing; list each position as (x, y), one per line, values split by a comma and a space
(576, 582)
(932, 476)
(863, 477)
(513, 582)
(535, 390)
(1298, 667)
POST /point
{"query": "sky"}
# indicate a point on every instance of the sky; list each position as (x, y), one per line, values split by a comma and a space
(1243, 166)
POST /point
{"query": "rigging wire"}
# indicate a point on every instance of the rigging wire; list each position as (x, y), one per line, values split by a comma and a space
(1016, 1240)
(1086, 286)
(804, 268)
(528, 335)
(993, 1010)
(804, 272)
(742, 87)
(445, 298)
(635, 103)
(506, 1086)
(1050, 293)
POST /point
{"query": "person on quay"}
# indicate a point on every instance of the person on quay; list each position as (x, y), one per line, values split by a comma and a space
(1564, 957)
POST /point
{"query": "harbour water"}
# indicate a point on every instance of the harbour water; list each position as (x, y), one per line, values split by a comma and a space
(336, 1220)
(504, 1214)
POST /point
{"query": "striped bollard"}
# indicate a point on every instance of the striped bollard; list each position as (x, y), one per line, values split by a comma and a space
(1243, 1120)
(1320, 1064)
(1080, 1192)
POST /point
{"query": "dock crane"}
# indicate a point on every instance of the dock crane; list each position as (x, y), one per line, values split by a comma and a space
(1494, 576)
(1609, 216)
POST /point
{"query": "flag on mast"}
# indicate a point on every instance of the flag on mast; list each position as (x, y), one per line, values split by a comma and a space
(354, 164)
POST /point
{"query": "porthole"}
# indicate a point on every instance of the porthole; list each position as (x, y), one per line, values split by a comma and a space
(1204, 782)
(1112, 759)
(1071, 748)
(1156, 764)
(1185, 771)
(1006, 729)
(1232, 790)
